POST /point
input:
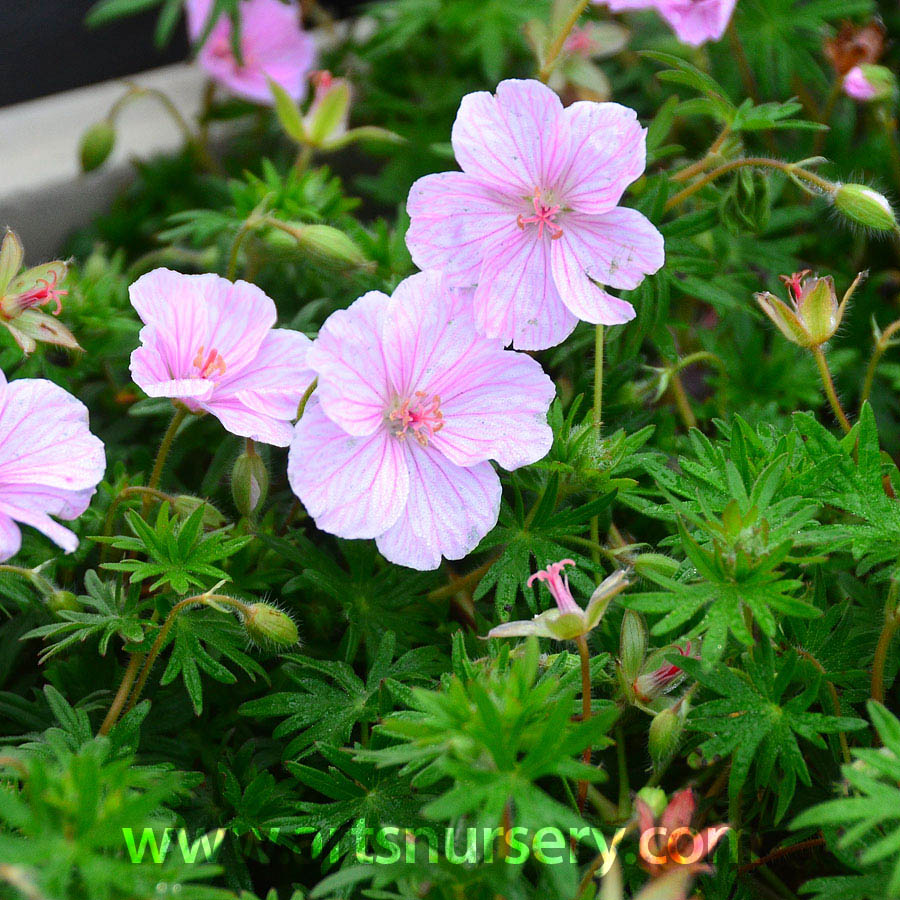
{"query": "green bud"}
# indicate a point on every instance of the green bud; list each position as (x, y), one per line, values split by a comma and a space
(632, 644)
(665, 734)
(882, 81)
(266, 624)
(249, 482)
(326, 242)
(655, 564)
(655, 798)
(864, 206)
(96, 145)
(186, 505)
(63, 600)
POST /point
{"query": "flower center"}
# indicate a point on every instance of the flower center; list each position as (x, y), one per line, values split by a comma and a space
(420, 415)
(212, 365)
(794, 284)
(544, 216)
(43, 292)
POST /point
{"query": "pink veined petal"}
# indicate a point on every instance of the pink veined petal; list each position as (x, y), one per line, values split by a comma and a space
(10, 538)
(494, 404)
(240, 419)
(348, 358)
(175, 306)
(45, 439)
(274, 383)
(449, 510)
(697, 21)
(513, 141)
(618, 248)
(149, 371)
(353, 486)
(53, 501)
(60, 536)
(197, 14)
(608, 152)
(516, 299)
(452, 215)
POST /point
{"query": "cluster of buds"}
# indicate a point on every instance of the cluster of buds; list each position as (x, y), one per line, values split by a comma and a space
(814, 314)
(22, 295)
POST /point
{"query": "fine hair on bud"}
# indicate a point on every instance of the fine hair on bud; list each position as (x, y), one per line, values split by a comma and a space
(268, 626)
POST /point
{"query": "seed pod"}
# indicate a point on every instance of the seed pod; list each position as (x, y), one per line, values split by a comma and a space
(266, 625)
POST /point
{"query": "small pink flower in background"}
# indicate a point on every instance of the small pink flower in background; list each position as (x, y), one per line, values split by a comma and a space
(50, 463)
(857, 86)
(533, 219)
(273, 45)
(694, 21)
(211, 345)
(868, 82)
(411, 404)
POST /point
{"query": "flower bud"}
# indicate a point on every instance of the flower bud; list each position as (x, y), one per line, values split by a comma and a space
(870, 84)
(186, 505)
(632, 644)
(864, 206)
(249, 482)
(96, 145)
(649, 564)
(63, 600)
(329, 112)
(655, 798)
(665, 734)
(266, 624)
(325, 241)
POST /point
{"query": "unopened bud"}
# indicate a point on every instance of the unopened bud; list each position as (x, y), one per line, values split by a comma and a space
(96, 145)
(330, 109)
(665, 734)
(186, 505)
(870, 84)
(632, 644)
(63, 600)
(249, 482)
(648, 564)
(327, 242)
(864, 206)
(267, 624)
(655, 798)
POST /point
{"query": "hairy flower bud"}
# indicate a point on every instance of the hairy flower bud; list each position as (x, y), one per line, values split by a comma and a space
(249, 482)
(186, 505)
(632, 644)
(96, 145)
(864, 206)
(266, 624)
(665, 734)
(63, 600)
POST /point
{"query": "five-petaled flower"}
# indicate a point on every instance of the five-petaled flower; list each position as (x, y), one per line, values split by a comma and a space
(211, 345)
(694, 21)
(568, 621)
(22, 296)
(533, 219)
(50, 463)
(272, 42)
(411, 404)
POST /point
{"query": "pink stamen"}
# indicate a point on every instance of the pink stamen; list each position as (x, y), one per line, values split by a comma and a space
(214, 364)
(558, 585)
(795, 284)
(44, 292)
(543, 216)
(418, 414)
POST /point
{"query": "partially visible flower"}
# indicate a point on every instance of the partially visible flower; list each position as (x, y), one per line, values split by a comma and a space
(211, 345)
(854, 45)
(667, 841)
(694, 21)
(867, 82)
(651, 684)
(533, 219)
(21, 297)
(568, 620)
(328, 115)
(815, 314)
(273, 46)
(411, 405)
(50, 463)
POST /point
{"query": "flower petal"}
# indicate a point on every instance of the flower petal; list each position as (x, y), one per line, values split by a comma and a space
(353, 486)
(244, 421)
(348, 358)
(618, 248)
(452, 216)
(60, 536)
(511, 141)
(516, 299)
(608, 152)
(448, 511)
(10, 538)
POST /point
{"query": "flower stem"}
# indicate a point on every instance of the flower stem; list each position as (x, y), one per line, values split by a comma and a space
(164, 448)
(585, 655)
(122, 693)
(830, 392)
(117, 501)
(301, 406)
(560, 40)
(682, 403)
(758, 162)
(622, 765)
(878, 351)
(737, 48)
(891, 623)
(597, 424)
(32, 576)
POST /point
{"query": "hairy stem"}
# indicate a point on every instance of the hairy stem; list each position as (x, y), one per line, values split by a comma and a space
(622, 765)
(830, 392)
(891, 623)
(31, 576)
(737, 48)
(881, 345)
(124, 494)
(585, 655)
(112, 715)
(682, 403)
(164, 448)
(560, 40)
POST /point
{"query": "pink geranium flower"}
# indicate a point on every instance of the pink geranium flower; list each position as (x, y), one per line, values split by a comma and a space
(694, 21)
(211, 345)
(273, 45)
(533, 218)
(50, 463)
(410, 406)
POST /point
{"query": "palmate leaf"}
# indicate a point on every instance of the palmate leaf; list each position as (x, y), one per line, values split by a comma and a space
(759, 719)
(869, 819)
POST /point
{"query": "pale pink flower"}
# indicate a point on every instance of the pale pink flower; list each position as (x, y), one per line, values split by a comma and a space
(273, 45)
(866, 82)
(410, 406)
(533, 218)
(211, 345)
(694, 21)
(50, 463)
